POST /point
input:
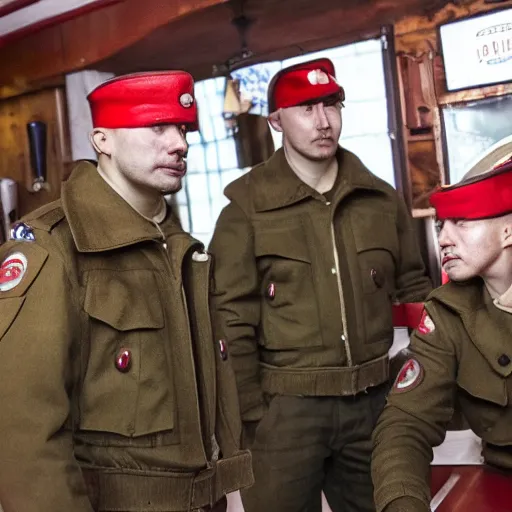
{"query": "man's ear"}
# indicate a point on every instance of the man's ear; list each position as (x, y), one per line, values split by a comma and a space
(101, 140)
(274, 119)
(507, 232)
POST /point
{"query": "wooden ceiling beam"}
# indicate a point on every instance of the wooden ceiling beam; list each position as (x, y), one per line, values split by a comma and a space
(136, 35)
(280, 30)
(82, 41)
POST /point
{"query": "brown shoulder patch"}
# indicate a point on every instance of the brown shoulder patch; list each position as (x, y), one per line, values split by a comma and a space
(426, 325)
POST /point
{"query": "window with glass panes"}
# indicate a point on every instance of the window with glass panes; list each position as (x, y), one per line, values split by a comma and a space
(212, 160)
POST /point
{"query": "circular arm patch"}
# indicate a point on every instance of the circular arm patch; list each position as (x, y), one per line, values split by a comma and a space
(410, 376)
(12, 270)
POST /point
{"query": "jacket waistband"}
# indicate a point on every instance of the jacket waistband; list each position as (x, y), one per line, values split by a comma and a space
(324, 381)
(114, 489)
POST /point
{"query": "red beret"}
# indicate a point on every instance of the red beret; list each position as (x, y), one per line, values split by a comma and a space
(483, 196)
(145, 99)
(302, 83)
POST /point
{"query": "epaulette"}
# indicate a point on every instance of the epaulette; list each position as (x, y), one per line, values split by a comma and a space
(45, 217)
(236, 186)
(463, 296)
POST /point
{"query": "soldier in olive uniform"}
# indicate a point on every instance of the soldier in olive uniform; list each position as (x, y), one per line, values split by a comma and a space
(113, 393)
(462, 349)
(309, 256)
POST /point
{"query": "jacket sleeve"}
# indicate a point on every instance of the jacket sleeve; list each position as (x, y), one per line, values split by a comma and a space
(236, 304)
(411, 282)
(414, 420)
(38, 472)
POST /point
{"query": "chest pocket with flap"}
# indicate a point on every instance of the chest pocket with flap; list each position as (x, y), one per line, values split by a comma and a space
(125, 314)
(483, 397)
(376, 243)
(289, 310)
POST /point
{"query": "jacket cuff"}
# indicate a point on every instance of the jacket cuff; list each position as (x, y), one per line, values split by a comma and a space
(407, 504)
(393, 493)
(252, 404)
(255, 413)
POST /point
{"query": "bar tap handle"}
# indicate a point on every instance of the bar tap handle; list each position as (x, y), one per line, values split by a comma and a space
(36, 131)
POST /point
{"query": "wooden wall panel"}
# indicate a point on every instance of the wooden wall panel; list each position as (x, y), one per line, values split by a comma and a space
(417, 35)
(424, 170)
(416, 39)
(47, 106)
(30, 59)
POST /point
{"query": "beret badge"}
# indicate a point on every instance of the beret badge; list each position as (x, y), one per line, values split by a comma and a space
(186, 100)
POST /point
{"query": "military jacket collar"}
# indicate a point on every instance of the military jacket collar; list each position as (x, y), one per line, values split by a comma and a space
(488, 327)
(504, 302)
(100, 219)
(282, 187)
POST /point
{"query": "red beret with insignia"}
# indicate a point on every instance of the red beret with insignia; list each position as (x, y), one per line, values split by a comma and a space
(484, 192)
(145, 99)
(303, 83)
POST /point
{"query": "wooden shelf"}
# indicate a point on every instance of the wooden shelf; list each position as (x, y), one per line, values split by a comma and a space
(420, 138)
(481, 93)
(419, 213)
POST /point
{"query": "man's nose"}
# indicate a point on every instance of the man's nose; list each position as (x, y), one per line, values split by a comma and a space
(177, 142)
(322, 123)
(444, 237)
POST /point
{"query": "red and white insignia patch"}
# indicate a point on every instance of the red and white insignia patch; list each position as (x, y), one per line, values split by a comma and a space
(317, 76)
(426, 325)
(410, 376)
(12, 270)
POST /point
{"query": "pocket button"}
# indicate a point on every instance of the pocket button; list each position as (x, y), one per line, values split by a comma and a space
(503, 360)
(223, 350)
(377, 278)
(123, 360)
(271, 291)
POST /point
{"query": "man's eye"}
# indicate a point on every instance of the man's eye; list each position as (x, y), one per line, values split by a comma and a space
(335, 106)
(332, 102)
(158, 128)
(439, 225)
(309, 108)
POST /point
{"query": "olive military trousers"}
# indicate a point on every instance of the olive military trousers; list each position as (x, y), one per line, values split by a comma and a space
(304, 445)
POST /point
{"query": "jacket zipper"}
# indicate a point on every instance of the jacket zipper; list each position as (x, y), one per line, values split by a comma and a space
(344, 336)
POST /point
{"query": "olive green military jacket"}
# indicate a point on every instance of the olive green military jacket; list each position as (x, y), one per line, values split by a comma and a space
(304, 288)
(113, 393)
(466, 356)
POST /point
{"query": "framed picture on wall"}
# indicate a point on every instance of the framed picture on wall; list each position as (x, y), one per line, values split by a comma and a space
(477, 51)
